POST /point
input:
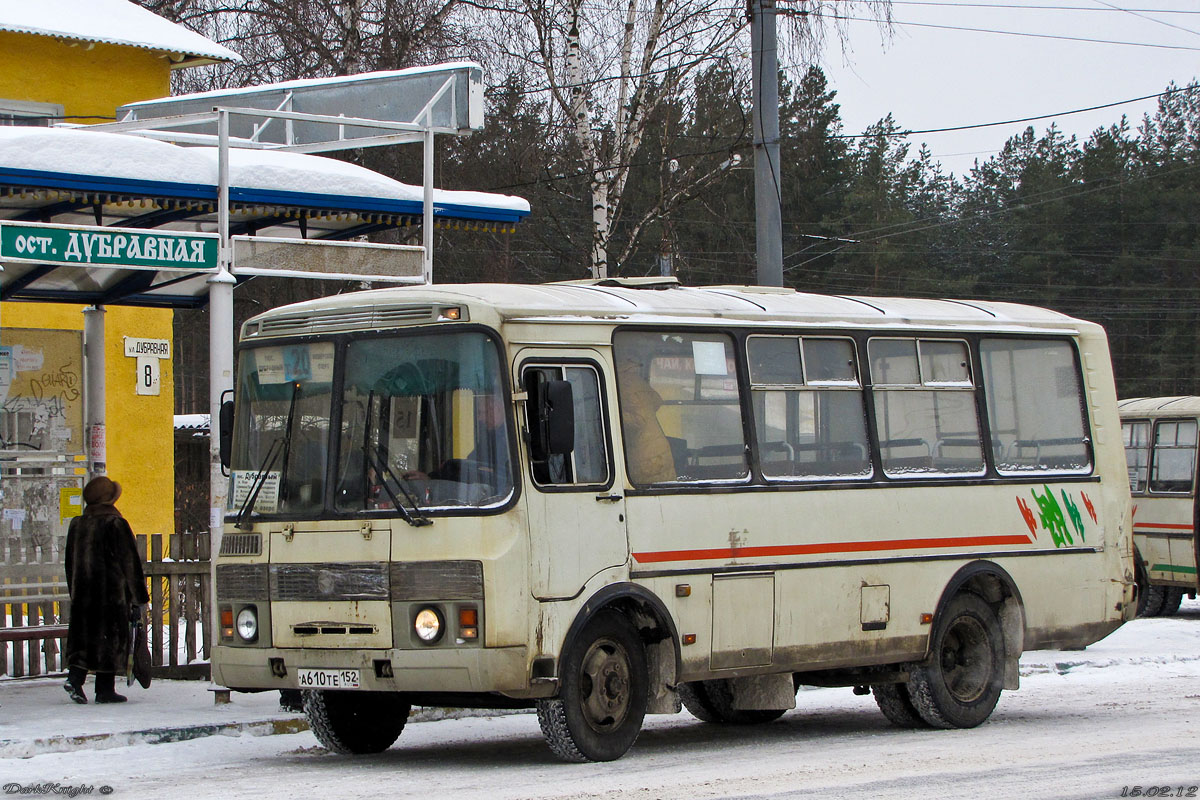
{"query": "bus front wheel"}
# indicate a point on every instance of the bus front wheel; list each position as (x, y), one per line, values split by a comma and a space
(352, 722)
(960, 682)
(602, 693)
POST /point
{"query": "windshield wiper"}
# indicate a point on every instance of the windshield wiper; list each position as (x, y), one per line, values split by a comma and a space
(414, 517)
(376, 459)
(281, 445)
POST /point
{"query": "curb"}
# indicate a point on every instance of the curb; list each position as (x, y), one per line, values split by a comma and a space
(10, 748)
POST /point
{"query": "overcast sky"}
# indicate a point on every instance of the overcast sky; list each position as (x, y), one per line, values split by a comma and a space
(936, 77)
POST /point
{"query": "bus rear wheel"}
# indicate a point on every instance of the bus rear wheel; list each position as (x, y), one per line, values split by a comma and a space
(354, 722)
(896, 704)
(712, 701)
(959, 684)
(1152, 601)
(602, 695)
(1171, 600)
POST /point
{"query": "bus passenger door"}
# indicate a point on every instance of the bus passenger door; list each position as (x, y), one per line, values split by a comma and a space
(576, 517)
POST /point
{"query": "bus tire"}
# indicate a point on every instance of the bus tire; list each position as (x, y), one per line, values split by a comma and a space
(353, 722)
(896, 704)
(712, 701)
(1172, 597)
(1152, 601)
(603, 693)
(959, 684)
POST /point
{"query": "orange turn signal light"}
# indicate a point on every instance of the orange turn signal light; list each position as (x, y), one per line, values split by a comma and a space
(468, 623)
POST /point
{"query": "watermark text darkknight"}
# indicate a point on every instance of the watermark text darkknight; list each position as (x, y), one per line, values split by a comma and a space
(51, 788)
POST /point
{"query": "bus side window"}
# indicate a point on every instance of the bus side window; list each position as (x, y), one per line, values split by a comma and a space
(1035, 406)
(1137, 454)
(809, 417)
(1173, 468)
(925, 407)
(681, 413)
(587, 463)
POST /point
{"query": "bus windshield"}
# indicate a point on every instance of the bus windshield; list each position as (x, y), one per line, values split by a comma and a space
(423, 425)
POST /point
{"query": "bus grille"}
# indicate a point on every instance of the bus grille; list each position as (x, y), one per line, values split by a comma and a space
(437, 580)
(329, 582)
(242, 581)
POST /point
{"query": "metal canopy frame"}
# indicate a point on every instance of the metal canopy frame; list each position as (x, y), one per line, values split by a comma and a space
(293, 117)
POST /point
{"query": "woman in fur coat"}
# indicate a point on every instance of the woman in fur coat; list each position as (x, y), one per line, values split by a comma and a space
(105, 581)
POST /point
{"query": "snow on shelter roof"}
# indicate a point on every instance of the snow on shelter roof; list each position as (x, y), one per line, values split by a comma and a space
(78, 177)
(111, 22)
(122, 165)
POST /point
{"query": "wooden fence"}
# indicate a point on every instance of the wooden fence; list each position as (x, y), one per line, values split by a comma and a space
(35, 608)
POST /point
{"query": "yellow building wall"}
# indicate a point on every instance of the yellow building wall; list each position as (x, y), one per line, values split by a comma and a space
(93, 80)
(140, 429)
(86, 79)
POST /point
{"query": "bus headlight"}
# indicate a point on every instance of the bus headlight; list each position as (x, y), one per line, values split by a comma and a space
(428, 625)
(247, 624)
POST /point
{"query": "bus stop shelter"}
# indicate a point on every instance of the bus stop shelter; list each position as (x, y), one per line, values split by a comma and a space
(183, 198)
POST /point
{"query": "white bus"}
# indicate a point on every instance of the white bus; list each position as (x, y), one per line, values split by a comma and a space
(1160, 449)
(605, 499)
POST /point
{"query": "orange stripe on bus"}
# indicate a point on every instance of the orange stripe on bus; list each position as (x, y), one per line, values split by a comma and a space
(826, 548)
(1170, 526)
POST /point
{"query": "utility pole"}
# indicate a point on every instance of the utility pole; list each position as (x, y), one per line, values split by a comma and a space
(768, 224)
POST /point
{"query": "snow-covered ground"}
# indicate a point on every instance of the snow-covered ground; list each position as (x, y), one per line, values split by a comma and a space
(1125, 712)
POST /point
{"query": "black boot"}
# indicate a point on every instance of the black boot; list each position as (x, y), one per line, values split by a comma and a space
(104, 689)
(74, 685)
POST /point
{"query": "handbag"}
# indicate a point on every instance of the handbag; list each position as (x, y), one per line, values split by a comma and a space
(138, 664)
(141, 657)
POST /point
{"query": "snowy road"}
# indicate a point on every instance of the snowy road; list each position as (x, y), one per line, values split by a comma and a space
(1123, 713)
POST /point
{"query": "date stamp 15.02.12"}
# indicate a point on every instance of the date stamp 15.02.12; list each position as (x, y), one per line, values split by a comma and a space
(1160, 791)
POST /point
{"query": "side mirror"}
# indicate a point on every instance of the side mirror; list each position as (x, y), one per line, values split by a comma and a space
(225, 431)
(554, 421)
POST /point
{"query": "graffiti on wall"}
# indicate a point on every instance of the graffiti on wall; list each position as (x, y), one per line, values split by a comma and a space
(41, 391)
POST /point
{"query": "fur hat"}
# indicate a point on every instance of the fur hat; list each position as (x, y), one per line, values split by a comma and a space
(101, 490)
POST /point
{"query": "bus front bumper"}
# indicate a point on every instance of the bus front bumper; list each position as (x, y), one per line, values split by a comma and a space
(502, 670)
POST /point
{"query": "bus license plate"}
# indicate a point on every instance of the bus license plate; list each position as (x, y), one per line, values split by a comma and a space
(328, 678)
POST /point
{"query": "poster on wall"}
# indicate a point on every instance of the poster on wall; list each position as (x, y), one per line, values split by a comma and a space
(41, 392)
(35, 513)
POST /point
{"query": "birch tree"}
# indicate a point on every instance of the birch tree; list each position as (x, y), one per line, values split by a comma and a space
(290, 39)
(608, 65)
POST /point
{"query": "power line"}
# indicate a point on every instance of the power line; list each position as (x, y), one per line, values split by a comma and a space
(1015, 121)
(1058, 37)
(1018, 6)
(1134, 13)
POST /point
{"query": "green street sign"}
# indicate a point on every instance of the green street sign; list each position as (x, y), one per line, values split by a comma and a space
(63, 244)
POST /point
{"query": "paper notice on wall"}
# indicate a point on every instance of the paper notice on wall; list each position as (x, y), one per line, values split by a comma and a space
(97, 445)
(243, 481)
(15, 517)
(70, 503)
(6, 367)
(28, 359)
